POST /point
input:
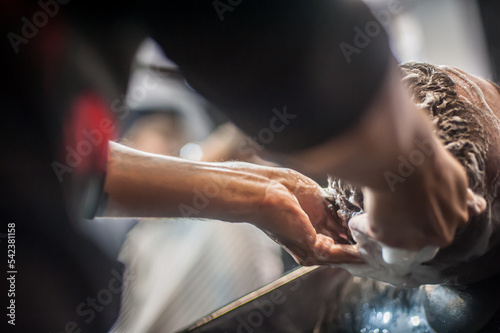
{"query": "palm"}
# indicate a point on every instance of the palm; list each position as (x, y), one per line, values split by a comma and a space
(304, 224)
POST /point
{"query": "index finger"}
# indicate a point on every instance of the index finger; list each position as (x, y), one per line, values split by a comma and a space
(328, 252)
(324, 252)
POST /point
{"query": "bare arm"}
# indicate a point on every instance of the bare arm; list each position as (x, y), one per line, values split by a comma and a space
(282, 202)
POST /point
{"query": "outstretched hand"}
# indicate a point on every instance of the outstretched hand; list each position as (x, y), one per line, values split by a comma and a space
(285, 204)
(296, 215)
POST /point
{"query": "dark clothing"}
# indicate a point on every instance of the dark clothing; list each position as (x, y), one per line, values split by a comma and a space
(321, 60)
(269, 55)
(249, 60)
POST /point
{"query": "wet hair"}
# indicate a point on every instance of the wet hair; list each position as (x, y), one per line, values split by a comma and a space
(456, 124)
(455, 119)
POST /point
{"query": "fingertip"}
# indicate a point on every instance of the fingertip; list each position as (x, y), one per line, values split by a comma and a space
(480, 204)
(476, 202)
(345, 254)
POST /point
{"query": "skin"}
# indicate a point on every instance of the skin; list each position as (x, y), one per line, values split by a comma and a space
(468, 260)
(491, 93)
(421, 212)
(287, 205)
(426, 209)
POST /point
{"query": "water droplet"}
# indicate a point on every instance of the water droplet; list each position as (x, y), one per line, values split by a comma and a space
(387, 317)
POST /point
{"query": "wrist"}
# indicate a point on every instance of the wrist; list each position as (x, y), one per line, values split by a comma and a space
(239, 190)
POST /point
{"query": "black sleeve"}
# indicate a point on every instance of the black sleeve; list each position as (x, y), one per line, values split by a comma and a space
(320, 61)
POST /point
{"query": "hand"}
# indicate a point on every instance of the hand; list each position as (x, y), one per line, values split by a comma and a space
(405, 269)
(408, 272)
(287, 205)
(296, 215)
(427, 208)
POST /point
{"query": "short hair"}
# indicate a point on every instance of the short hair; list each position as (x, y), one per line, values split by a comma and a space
(457, 125)
(456, 119)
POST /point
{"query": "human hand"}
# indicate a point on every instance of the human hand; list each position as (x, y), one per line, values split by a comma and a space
(408, 272)
(404, 267)
(427, 208)
(295, 214)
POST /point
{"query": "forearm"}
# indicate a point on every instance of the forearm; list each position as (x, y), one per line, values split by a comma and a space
(147, 185)
(287, 205)
(415, 192)
(391, 129)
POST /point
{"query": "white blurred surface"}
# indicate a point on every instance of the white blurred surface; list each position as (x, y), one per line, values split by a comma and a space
(444, 32)
(179, 270)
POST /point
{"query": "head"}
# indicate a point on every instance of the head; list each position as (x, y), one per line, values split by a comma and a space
(464, 111)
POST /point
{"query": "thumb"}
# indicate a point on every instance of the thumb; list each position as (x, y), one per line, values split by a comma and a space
(361, 223)
(327, 252)
(476, 203)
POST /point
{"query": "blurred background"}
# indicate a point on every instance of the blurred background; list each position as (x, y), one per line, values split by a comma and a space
(459, 33)
(179, 270)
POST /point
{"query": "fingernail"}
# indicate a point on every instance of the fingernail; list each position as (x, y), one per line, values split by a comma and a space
(481, 204)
